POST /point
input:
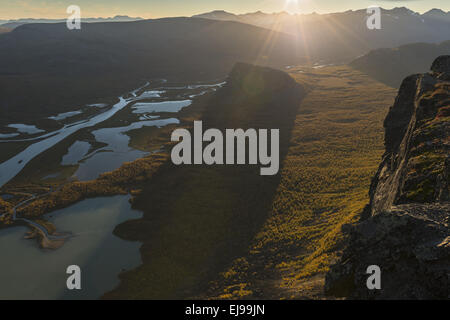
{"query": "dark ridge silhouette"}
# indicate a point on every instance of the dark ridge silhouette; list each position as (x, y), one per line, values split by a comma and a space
(46, 68)
(391, 66)
(202, 217)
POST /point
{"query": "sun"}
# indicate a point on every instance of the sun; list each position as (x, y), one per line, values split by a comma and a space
(291, 5)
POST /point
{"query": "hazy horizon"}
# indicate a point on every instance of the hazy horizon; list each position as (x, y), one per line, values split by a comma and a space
(39, 9)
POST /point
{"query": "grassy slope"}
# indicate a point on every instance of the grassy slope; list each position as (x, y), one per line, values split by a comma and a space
(335, 149)
(282, 240)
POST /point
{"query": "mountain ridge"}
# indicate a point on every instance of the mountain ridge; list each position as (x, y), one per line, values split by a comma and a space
(341, 37)
(14, 23)
(225, 13)
(392, 65)
(97, 62)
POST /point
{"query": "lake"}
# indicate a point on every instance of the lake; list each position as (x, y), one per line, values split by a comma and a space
(41, 274)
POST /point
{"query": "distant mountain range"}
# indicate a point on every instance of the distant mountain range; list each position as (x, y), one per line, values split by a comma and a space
(326, 38)
(284, 19)
(46, 68)
(341, 37)
(11, 24)
(59, 69)
(391, 66)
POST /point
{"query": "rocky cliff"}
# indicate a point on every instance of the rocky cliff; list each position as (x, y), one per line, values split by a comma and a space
(405, 228)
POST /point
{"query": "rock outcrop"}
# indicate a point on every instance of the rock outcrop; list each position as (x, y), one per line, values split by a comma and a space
(405, 228)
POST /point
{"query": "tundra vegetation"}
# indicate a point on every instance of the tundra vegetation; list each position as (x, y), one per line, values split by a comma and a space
(226, 231)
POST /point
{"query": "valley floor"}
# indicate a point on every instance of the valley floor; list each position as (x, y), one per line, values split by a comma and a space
(335, 149)
(272, 241)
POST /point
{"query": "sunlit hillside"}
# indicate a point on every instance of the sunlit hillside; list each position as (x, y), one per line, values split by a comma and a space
(335, 149)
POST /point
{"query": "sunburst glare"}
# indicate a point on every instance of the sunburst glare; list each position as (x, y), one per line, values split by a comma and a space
(291, 6)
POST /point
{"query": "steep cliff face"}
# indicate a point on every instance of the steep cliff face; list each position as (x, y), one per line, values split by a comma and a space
(405, 228)
(415, 167)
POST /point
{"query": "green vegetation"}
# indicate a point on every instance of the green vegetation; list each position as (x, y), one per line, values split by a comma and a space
(225, 231)
(324, 184)
(426, 170)
(198, 218)
(125, 179)
(283, 241)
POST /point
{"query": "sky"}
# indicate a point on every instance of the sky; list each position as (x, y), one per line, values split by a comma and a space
(13, 9)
